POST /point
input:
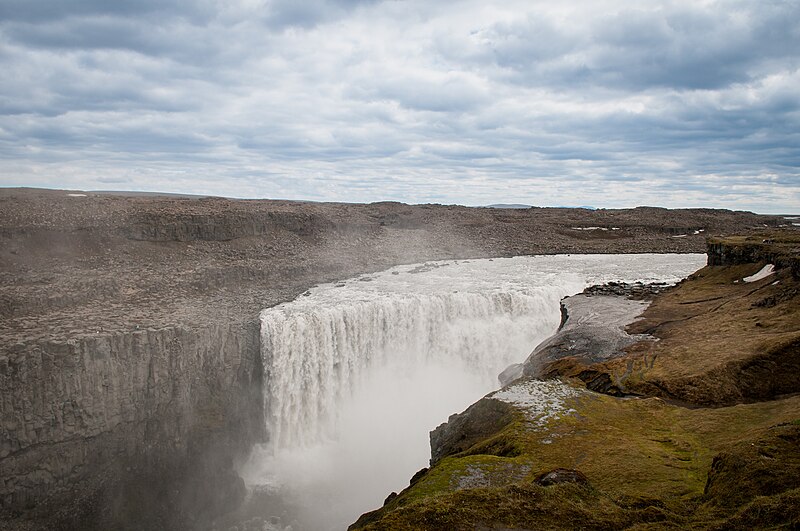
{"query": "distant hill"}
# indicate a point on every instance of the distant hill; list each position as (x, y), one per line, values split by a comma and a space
(517, 205)
(504, 205)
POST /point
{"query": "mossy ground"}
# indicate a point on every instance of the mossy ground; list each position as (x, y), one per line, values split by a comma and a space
(647, 462)
(652, 463)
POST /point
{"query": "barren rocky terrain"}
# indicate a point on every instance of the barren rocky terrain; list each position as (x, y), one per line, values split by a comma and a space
(129, 364)
(73, 265)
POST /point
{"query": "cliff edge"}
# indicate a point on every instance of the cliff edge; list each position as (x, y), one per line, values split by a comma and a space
(696, 423)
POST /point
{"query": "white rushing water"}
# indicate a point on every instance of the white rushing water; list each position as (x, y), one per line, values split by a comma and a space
(358, 372)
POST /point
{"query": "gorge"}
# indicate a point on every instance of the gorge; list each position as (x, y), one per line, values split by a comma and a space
(131, 370)
(363, 369)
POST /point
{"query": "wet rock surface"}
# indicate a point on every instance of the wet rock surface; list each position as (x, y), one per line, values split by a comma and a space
(592, 330)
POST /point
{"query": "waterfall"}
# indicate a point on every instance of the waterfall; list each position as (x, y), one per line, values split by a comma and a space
(479, 316)
(316, 357)
(358, 372)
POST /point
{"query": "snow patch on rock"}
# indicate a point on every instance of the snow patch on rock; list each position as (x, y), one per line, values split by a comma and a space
(542, 400)
(765, 271)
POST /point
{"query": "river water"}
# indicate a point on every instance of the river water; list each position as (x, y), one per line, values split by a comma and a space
(358, 372)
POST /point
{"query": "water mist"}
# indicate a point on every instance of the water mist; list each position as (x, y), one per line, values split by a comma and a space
(358, 372)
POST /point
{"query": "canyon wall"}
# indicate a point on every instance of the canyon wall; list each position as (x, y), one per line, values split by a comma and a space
(130, 377)
(766, 248)
(96, 417)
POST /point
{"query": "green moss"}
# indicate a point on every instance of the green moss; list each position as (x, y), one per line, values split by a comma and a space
(647, 462)
(470, 471)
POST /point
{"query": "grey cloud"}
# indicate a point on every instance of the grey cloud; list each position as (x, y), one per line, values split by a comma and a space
(307, 14)
(450, 94)
(667, 104)
(37, 11)
(648, 46)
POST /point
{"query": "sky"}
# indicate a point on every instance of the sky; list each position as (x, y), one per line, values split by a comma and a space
(604, 103)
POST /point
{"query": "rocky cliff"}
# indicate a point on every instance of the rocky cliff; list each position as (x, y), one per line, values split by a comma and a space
(129, 422)
(129, 364)
(646, 451)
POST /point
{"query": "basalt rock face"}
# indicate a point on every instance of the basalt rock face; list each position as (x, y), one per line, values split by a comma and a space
(127, 415)
(221, 227)
(462, 431)
(779, 248)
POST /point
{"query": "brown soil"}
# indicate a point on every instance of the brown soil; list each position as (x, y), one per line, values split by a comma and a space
(721, 340)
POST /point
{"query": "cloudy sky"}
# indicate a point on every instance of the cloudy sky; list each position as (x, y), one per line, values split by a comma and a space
(606, 103)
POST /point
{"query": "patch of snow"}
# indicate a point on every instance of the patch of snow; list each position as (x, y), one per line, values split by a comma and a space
(791, 218)
(76, 195)
(698, 231)
(680, 236)
(614, 228)
(796, 224)
(589, 228)
(766, 271)
(542, 400)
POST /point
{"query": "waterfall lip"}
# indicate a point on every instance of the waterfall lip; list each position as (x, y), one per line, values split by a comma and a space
(317, 348)
(356, 370)
(401, 279)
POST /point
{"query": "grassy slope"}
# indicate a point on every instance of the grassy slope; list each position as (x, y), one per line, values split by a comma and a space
(648, 460)
(720, 341)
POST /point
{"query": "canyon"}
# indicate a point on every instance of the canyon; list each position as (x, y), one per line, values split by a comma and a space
(131, 374)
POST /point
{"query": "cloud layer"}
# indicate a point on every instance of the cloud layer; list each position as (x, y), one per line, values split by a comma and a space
(671, 103)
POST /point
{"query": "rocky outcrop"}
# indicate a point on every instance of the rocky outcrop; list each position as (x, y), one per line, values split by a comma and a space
(779, 248)
(102, 412)
(592, 330)
(676, 349)
(462, 431)
(721, 342)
